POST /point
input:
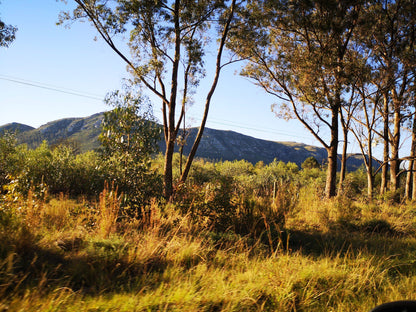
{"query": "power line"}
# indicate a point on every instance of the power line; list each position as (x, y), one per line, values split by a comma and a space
(97, 97)
(50, 87)
(244, 126)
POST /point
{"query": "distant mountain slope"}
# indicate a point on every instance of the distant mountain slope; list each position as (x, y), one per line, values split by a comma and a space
(215, 144)
(230, 145)
(15, 127)
(83, 131)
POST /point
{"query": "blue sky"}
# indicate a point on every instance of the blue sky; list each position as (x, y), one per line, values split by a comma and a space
(70, 60)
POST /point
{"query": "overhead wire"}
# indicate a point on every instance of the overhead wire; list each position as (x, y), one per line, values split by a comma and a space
(50, 87)
(213, 120)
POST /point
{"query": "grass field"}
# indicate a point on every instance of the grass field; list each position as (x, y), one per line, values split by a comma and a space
(63, 254)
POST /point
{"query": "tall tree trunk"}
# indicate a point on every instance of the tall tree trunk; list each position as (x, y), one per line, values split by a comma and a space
(395, 145)
(331, 175)
(414, 181)
(344, 158)
(410, 173)
(370, 175)
(411, 179)
(370, 182)
(218, 68)
(170, 142)
(167, 172)
(386, 149)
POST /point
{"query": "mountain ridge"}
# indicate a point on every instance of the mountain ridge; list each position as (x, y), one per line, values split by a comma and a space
(215, 144)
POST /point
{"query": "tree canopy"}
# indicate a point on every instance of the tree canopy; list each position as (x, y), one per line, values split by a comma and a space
(7, 34)
(168, 42)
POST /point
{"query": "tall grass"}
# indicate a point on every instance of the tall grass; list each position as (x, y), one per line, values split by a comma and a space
(61, 254)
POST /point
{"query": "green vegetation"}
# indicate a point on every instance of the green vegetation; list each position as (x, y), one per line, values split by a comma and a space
(83, 135)
(122, 229)
(129, 137)
(236, 237)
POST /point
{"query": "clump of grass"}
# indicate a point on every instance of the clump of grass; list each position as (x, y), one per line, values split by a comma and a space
(108, 207)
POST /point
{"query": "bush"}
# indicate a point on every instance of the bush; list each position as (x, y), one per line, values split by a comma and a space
(129, 137)
(275, 172)
(8, 160)
(59, 170)
(210, 203)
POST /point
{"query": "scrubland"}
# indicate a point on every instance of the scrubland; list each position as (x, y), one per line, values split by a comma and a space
(235, 237)
(214, 248)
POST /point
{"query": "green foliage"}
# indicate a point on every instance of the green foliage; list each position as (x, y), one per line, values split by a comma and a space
(310, 163)
(129, 137)
(59, 170)
(8, 160)
(239, 196)
(355, 184)
(276, 171)
(203, 171)
(129, 129)
(7, 34)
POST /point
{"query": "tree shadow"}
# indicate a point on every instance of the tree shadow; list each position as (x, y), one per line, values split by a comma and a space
(45, 269)
(375, 238)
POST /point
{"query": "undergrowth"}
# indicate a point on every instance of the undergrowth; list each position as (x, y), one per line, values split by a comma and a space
(286, 254)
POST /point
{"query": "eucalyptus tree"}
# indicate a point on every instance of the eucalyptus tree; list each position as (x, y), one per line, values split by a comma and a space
(389, 35)
(410, 188)
(168, 40)
(296, 50)
(346, 117)
(365, 124)
(7, 34)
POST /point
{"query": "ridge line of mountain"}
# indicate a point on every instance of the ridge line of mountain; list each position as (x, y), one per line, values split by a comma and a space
(215, 144)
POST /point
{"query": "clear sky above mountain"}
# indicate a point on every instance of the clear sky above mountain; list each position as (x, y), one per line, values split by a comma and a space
(52, 72)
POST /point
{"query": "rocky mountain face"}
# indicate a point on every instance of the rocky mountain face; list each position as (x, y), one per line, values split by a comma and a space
(230, 145)
(215, 144)
(81, 131)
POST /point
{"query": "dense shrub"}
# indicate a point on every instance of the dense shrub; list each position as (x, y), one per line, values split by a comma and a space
(202, 172)
(276, 172)
(8, 159)
(59, 170)
(129, 137)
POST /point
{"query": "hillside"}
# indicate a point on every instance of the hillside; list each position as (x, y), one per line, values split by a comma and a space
(215, 144)
(83, 131)
(15, 127)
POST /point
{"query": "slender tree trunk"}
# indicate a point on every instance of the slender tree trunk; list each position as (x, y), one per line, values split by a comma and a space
(409, 176)
(344, 158)
(182, 145)
(180, 159)
(411, 179)
(331, 175)
(218, 68)
(167, 172)
(370, 182)
(370, 175)
(385, 169)
(414, 182)
(395, 145)
(170, 142)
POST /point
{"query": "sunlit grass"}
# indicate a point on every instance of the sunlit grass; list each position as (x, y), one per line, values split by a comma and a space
(63, 254)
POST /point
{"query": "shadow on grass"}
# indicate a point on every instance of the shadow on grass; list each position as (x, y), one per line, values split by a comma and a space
(99, 271)
(373, 238)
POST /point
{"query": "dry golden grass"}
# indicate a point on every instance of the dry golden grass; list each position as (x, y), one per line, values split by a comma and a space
(73, 255)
